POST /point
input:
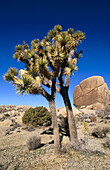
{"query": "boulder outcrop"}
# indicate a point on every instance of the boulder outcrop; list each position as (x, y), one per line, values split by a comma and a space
(62, 111)
(92, 92)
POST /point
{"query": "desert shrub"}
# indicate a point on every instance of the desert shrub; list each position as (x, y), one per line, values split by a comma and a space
(82, 113)
(3, 109)
(93, 119)
(100, 132)
(107, 143)
(68, 146)
(65, 144)
(100, 113)
(38, 116)
(6, 115)
(30, 128)
(33, 142)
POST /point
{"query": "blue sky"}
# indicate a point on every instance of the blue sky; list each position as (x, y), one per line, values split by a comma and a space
(25, 20)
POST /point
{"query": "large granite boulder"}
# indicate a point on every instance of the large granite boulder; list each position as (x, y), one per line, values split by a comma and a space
(62, 111)
(92, 91)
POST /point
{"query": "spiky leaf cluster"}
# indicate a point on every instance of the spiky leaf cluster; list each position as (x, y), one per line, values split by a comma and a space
(27, 80)
(35, 41)
(16, 55)
(12, 72)
(57, 28)
(63, 39)
(45, 42)
(51, 34)
(42, 63)
(52, 52)
(26, 86)
(18, 48)
(79, 35)
(33, 71)
(25, 46)
(70, 31)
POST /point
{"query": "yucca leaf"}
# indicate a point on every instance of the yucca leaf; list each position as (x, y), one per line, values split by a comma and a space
(51, 33)
(18, 48)
(79, 35)
(70, 31)
(57, 28)
(10, 74)
(25, 46)
(16, 55)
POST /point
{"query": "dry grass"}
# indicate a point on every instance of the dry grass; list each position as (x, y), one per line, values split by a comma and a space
(33, 142)
(14, 153)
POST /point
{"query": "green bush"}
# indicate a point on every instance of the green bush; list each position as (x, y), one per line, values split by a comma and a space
(38, 116)
(6, 114)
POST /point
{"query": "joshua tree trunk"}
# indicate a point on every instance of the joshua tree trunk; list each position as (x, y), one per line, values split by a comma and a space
(51, 100)
(55, 126)
(71, 119)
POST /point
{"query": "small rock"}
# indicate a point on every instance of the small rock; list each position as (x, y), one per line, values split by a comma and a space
(85, 116)
(107, 143)
(25, 128)
(7, 132)
(14, 115)
(91, 115)
(107, 117)
(10, 132)
(82, 107)
(101, 120)
(12, 124)
(30, 128)
(12, 129)
(86, 120)
(16, 125)
(48, 131)
(2, 118)
(18, 130)
(92, 124)
(100, 113)
(13, 120)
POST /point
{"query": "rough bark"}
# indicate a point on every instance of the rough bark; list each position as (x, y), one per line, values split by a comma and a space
(55, 127)
(71, 119)
(51, 100)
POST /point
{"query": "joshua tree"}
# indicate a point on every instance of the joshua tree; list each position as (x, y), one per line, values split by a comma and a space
(54, 58)
(34, 76)
(69, 42)
(63, 57)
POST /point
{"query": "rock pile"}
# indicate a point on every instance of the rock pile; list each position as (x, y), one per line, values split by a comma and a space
(92, 117)
(92, 92)
(12, 116)
(11, 111)
(14, 126)
(62, 111)
(104, 114)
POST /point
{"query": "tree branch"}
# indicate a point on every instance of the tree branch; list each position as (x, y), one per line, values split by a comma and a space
(45, 94)
(60, 78)
(53, 88)
(58, 89)
(67, 80)
(70, 55)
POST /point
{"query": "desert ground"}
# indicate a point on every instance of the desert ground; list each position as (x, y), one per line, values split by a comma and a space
(14, 153)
